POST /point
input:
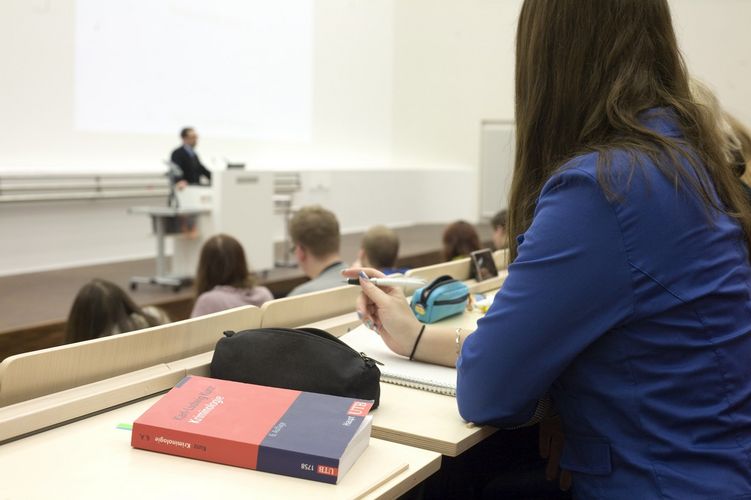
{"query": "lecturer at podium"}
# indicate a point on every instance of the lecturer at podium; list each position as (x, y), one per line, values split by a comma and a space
(187, 160)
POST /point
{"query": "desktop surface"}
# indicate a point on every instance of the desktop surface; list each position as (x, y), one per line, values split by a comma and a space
(92, 458)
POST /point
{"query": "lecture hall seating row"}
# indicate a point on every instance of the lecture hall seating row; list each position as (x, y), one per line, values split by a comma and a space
(50, 332)
(58, 384)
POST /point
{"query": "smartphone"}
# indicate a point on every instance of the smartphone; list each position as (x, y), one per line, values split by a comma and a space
(483, 265)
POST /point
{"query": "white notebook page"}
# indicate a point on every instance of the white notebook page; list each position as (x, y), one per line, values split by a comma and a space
(398, 369)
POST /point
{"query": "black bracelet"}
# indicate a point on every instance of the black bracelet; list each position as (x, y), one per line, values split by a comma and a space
(419, 336)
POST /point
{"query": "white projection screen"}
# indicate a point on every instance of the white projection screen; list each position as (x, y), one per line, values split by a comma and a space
(240, 68)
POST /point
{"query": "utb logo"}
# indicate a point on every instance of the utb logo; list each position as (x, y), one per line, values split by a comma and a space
(326, 470)
(359, 408)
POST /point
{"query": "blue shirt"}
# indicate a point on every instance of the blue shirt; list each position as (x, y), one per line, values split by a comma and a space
(634, 314)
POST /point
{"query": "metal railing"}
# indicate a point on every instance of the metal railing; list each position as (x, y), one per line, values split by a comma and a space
(22, 188)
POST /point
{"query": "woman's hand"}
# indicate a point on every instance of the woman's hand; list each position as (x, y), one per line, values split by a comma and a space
(385, 310)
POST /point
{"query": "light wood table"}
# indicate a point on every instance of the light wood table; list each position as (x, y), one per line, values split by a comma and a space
(91, 458)
(424, 419)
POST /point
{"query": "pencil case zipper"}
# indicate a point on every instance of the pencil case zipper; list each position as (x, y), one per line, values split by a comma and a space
(457, 300)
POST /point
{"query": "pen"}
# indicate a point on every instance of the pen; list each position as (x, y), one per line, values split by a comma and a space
(403, 282)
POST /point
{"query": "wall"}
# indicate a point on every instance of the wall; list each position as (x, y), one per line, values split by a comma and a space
(453, 68)
(716, 41)
(53, 235)
(400, 86)
(352, 81)
(396, 82)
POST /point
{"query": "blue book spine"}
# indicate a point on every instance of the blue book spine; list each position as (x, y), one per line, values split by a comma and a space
(306, 447)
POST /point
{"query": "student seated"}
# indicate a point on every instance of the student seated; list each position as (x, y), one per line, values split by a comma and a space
(500, 233)
(627, 298)
(459, 240)
(379, 249)
(314, 232)
(223, 280)
(102, 308)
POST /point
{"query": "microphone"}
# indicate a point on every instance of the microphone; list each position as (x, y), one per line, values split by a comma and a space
(173, 173)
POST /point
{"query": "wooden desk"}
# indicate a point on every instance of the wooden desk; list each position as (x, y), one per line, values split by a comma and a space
(425, 420)
(91, 458)
(420, 418)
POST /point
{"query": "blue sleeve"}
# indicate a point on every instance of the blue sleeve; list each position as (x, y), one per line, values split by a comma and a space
(569, 284)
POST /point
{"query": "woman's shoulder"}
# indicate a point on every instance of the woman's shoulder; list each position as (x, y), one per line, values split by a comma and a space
(617, 171)
(212, 296)
(251, 295)
(579, 169)
(157, 313)
(257, 295)
(223, 290)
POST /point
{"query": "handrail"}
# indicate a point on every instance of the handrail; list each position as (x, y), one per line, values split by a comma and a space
(15, 188)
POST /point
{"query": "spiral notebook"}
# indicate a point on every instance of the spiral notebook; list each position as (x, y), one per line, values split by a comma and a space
(400, 370)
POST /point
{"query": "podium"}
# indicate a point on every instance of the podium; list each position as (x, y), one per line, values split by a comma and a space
(238, 203)
(161, 217)
(244, 209)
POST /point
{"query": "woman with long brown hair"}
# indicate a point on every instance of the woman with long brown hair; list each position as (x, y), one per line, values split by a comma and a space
(460, 239)
(101, 308)
(628, 300)
(223, 280)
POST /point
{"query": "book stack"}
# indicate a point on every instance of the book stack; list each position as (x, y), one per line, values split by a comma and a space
(295, 433)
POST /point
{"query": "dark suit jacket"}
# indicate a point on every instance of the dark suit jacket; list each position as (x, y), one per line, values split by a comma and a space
(191, 167)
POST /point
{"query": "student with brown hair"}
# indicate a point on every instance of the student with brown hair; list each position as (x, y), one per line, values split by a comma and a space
(101, 308)
(627, 300)
(499, 223)
(460, 239)
(223, 280)
(379, 249)
(315, 235)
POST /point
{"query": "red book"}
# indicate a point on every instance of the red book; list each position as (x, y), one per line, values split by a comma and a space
(295, 433)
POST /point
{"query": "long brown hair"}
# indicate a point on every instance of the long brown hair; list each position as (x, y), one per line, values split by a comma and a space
(585, 71)
(222, 262)
(100, 308)
(459, 240)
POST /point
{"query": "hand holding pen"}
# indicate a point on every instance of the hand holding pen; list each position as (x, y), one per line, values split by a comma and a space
(386, 281)
(385, 310)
